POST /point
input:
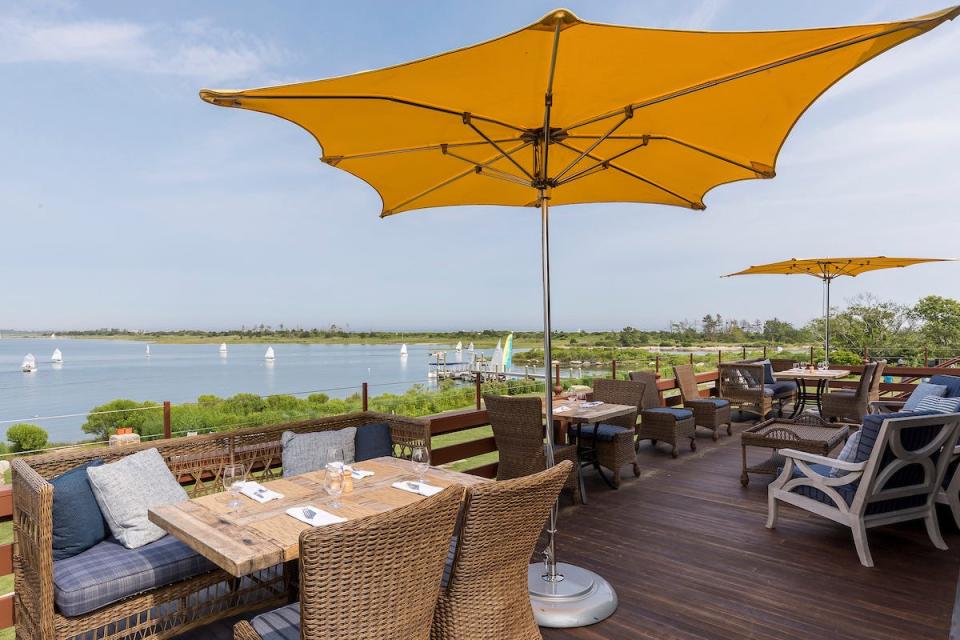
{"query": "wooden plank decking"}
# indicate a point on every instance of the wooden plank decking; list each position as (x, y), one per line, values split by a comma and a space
(686, 549)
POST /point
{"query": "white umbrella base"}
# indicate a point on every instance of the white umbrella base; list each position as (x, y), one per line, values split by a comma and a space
(579, 599)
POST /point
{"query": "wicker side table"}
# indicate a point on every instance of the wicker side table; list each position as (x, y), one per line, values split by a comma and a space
(807, 433)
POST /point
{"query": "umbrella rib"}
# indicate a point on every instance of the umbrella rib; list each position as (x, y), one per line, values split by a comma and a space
(450, 180)
(693, 205)
(491, 171)
(404, 101)
(333, 160)
(467, 121)
(752, 71)
(604, 163)
(626, 116)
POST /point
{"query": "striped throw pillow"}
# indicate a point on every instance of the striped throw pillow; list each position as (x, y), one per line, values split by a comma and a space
(939, 405)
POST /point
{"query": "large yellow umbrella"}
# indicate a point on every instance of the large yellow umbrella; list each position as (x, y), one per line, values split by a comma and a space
(565, 111)
(826, 269)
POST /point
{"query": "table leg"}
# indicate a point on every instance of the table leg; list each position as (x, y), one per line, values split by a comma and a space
(798, 403)
(744, 478)
(821, 386)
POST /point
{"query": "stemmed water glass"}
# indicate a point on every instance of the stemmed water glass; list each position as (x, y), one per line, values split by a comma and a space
(335, 457)
(333, 483)
(234, 477)
(420, 456)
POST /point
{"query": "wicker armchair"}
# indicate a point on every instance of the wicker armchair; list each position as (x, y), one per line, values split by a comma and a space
(375, 577)
(485, 595)
(740, 385)
(710, 413)
(168, 610)
(877, 379)
(850, 405)
(614, 446)
(662, 424)
(518, 431)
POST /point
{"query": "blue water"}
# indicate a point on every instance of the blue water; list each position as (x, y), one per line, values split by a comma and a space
(97, 371)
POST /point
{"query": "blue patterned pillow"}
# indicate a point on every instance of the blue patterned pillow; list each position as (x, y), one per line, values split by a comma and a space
(939, 405)
(77, 520)
(923, 390)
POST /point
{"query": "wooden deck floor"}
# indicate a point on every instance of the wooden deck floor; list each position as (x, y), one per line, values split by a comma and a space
(686, 549)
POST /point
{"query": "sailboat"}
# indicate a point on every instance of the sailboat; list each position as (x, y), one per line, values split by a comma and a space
(459, 346)
(148, 351)
(269, 355)
(470, 347)
(53, 336)
(57, 357)
(496, 360)
(29, 364)
(403, 350)
(508, 354)
(223, 348)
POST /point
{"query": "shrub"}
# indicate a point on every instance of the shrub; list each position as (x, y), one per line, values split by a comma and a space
(102, 424)
(27, 437)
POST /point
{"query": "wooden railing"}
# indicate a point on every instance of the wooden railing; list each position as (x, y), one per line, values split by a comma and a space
(458, 421)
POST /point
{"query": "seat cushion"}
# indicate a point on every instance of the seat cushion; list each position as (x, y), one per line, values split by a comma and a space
(768, 375)
(306, 452)
(109, 572)
(717, 402)
(372, 441)
(127, 488)
(604, 432)
(77, 520)
(679, 414)
(783, 387)
(279, 624)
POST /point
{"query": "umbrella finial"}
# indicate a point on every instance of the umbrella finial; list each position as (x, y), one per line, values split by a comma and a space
(565, 17)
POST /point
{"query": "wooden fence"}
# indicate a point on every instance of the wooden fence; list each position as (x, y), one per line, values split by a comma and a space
(456, 421)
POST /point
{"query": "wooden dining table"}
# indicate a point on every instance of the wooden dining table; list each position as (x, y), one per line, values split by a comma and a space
(821, 377)
(260, 536)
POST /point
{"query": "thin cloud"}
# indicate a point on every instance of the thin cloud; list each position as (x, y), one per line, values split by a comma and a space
(196, 49)
(703, 16)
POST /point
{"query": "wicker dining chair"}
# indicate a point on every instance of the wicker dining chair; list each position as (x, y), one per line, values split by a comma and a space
(484, 595)
(614, 445)
(710, 413)
(877, 379)
(375, 577)
(662, 424)
(850, 405)
(518, 432)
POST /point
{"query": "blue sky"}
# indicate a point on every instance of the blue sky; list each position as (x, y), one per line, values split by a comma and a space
(126, 201)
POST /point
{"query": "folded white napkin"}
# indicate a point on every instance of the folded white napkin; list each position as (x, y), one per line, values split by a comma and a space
(313, 516)
(587, 405)
(561, 409)
(420, 488)
(360, 474)
(258, 492)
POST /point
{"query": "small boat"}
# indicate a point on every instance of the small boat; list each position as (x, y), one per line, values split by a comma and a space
(269, 355)
(53, 336)
(29, 364)
(470, 347)
(57, 356)
(403, 350)
(459, 346)
(148, 351)
(223, 348)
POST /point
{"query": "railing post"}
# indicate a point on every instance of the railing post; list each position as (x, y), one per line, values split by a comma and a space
(866, 354)
(764, 353)
(657, 364)
(167, 431)
(613, 367)
(478, 385)
(363, 396)
(926, 357)
(556, 377)
(811, 354)
(691, 357)
(745, 352)
(719, 356)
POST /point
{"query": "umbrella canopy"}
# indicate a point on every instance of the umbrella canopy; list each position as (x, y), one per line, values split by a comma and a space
(826, 269)
(566, 111)
(635, 115)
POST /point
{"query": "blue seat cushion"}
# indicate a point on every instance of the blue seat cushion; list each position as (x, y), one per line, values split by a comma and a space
(78, 523)
(779, 388)
(604, 432)
(109, 572)
(679, 414)
(952, 383)
(768, 376)
(279, 624)
(373, 441)
(717, 402)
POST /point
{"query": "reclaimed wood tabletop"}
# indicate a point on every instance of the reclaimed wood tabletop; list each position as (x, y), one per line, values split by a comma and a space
(813, 374)
(259, 536)
(574, 411)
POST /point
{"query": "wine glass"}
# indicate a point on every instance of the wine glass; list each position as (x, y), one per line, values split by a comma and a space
(234, 476)
(420, 456)
(333, 483)
(335, 457)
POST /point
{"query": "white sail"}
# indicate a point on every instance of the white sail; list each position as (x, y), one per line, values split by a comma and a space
(29, 364)
(470, 347)
(403, 349)
(57, 356)
(148, 351)
(53, 336)
(459, 346)
(269, 355)
(223, 348)
(496, 360)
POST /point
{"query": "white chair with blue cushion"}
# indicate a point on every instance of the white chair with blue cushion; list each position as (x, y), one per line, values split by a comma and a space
(892, 474)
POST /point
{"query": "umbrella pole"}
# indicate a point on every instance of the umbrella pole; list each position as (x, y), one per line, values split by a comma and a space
(562, 595)
(826, 340)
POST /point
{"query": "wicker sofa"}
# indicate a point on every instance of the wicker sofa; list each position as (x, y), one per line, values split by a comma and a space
(192, 594)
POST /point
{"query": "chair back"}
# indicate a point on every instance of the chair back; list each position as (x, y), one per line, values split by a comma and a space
(866, 379)
(629, 392)
(518, 432)
(781, 364)
(651, 396)
(485, 594)
(377, 577)
(906, 464)
(687, 381)
(739, 378)
(876, 380)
